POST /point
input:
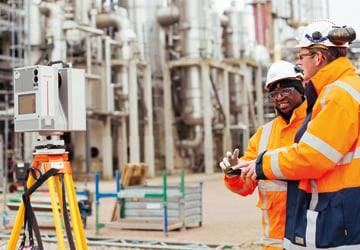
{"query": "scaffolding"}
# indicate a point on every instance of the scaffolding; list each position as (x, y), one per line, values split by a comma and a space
(11, 55)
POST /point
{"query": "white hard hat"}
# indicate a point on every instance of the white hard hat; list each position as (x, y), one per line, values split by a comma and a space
(322, 32)
(281, 70)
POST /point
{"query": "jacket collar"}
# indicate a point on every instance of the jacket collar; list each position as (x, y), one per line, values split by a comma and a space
(298, 113)
(333, 71)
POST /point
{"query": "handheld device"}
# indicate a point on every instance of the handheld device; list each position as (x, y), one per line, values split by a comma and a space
(233, 171)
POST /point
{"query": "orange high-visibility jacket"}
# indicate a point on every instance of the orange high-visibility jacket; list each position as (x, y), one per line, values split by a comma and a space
(272, 194)
(324, 210)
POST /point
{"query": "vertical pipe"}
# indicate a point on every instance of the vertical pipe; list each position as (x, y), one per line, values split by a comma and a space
(54, 25)
(206, 101)
(88, 150)
(122, 142)
(28, 27)
(106, 140)
(133, 114)
(169, 139)
(2, 167)
(149, 130)
(168, 115)
(107, 149)
(260, 23)
(34, 32)
(259, 96)
(245, 107)
(270, 25)
(88, 55)
(227, 142)
(109, 101)
(5, 145)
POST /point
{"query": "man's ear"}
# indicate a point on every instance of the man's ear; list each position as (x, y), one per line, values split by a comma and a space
(321, 59)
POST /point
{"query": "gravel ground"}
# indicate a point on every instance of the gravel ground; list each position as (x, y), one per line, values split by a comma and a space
(229, 220)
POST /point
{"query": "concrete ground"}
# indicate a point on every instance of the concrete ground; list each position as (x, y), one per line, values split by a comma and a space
(228, 219)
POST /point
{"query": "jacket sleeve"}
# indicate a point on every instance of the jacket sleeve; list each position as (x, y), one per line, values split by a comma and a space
(329, 136)
(234, 183)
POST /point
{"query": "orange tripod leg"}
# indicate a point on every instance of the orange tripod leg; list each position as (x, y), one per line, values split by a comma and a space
(55, 210)
(19, 221)
(75, 213)
(58, 161)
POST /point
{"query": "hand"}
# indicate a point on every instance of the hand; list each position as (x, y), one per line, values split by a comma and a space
(248, 170)
(230, 160)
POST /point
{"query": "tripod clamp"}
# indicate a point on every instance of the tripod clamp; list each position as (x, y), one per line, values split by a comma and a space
(50, 144)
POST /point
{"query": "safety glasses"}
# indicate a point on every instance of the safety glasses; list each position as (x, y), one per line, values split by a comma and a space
(283, 92)
(301, 56)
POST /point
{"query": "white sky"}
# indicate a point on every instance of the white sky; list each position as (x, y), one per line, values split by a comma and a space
(342, 12)
(346, 12)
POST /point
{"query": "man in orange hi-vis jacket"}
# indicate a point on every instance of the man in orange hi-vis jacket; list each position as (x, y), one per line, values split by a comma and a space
(287, 91)
(323, 204)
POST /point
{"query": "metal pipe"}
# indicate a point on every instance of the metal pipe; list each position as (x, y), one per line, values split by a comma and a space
(168, 15)
(195, 142)
(88, 151)
(125, 34)
(6, 167)
(54, 28)
(118, 19)
(106, 20)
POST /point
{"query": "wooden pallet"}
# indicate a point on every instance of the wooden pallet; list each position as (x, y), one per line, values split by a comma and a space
(133, 174)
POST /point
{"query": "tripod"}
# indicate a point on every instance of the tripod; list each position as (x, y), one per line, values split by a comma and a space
(51, 156)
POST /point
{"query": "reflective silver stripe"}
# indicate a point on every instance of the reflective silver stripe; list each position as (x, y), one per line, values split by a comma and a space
(274, 185)
(265, 135)
(353, 92)
(275, 163)
(264, 140)
(288, 245)
(350, 156)
(273, 242)
(263, 188)
(311, 217)
(314, 194)
(321, 146)
(327, 89)
(266, 217)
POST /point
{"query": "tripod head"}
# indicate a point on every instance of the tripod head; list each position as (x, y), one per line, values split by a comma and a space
(50, 143)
